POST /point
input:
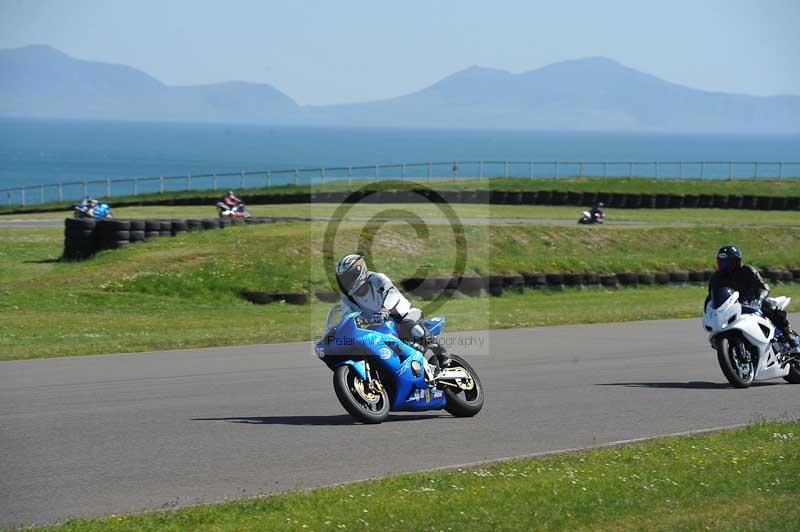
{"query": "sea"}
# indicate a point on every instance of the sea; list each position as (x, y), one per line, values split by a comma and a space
(37, 152)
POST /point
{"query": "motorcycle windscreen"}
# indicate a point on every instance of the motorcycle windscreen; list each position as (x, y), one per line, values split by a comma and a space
(720, 295)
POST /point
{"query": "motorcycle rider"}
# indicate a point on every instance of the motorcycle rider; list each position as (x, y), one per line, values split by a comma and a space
(746, 280)
(229, 202)
(87, 206)
(597, 212)
(374, 294)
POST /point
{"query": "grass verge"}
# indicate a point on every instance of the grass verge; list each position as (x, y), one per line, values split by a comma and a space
(183, 292)
(643, 185)
(745, 479)
(83, 322)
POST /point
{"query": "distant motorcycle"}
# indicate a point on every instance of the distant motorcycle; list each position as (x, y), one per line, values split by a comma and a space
(238, 212)
(589, 219)
(100, 211)
(749, 347)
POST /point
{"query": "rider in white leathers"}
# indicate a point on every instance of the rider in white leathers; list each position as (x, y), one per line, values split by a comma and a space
(374, 294)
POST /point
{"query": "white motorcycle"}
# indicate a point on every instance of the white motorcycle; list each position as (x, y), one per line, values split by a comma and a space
(749, 347)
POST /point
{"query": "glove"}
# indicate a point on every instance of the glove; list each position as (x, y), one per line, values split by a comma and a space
(383, 313)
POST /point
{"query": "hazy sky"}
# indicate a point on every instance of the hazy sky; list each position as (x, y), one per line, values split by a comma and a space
(346, 50)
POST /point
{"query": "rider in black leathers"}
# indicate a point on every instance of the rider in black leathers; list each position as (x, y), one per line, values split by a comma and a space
(747, 281)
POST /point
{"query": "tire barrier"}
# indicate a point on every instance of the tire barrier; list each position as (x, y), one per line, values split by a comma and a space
(471, 285)
(179, 226)
(661, 278)
(78, 239)
(512, 197)
(628, 278)
(647, 278)
(496, 285)
(609, 281)
(84, 237)
(264, 298)
(534, 279)
(678, 277)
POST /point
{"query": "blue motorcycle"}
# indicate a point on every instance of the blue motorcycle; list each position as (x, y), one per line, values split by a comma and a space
(100, 211)
(374, 372)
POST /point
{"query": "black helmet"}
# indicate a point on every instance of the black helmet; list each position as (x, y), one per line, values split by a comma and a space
(729, 258)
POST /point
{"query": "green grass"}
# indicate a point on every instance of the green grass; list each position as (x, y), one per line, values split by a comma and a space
(183, 292)
(763, 187)
(746, 479)
(466, 211)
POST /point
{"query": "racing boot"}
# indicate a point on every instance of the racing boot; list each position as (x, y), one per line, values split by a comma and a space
(791, 339)
(441, 355)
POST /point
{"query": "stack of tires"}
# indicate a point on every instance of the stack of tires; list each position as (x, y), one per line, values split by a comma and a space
(78, 238)
(112, 234)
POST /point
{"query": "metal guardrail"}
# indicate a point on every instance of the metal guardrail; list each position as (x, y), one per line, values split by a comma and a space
(134, 186)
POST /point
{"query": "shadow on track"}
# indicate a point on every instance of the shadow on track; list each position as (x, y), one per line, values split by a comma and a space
(312, 420)
(691, 385)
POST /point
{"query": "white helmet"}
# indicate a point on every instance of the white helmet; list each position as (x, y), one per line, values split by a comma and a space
(351, 272)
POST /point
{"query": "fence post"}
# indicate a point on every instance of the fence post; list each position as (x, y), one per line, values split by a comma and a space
(480, 171)
(322, 175)
(630, 169)
(681, 163)
(60, 192)
(376, 173)
(241, 180)
(730, 170)
(505, 169)
(188, 181)
(214, 182)
(108, 188)
(756, 172)
(161, 184)
(580, 169)
(22, 196)
(605, 169)
(403, 172)
(658, 168)
(85, 188)
(41, 194)
(455, 170)
(269, 178)
(429, 172)
(531, 169)
(296, 177)
(702, 169)
(557, 169)
(135, 186)
(349, 175)
(780, 170)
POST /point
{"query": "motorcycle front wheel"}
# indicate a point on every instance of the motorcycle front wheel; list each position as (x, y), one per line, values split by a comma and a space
(462, 402)
(735, 362)
(363, 404)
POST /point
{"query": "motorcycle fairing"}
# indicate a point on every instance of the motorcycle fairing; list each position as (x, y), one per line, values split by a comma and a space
(730, 316)
(346, 343)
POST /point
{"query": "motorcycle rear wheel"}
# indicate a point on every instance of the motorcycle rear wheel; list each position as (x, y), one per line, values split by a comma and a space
(463, 403)
(735, 362)
(367, 407)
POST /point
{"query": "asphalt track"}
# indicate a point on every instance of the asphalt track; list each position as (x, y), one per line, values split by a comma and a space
(112, 434)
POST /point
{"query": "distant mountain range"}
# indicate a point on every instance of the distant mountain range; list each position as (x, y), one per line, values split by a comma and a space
(595, 94)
